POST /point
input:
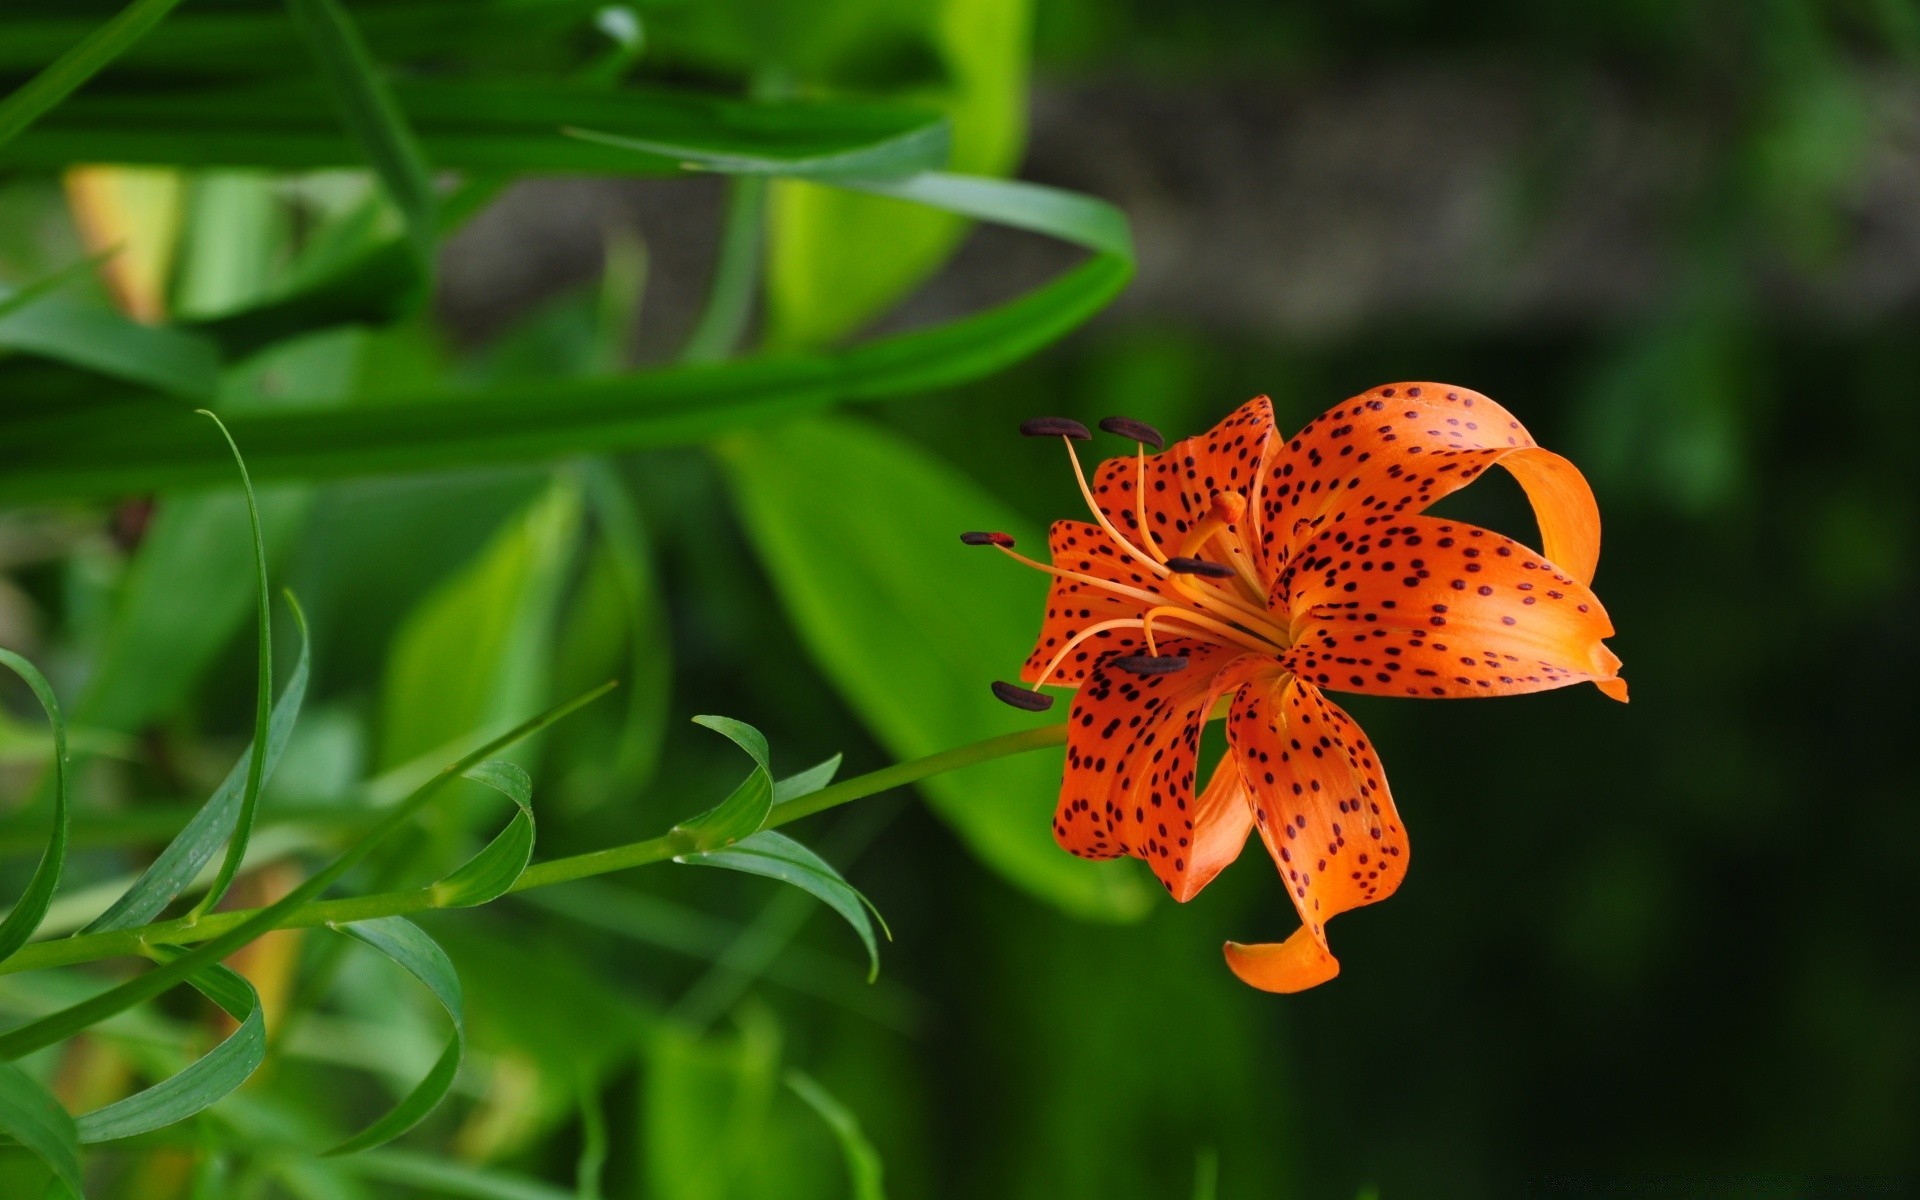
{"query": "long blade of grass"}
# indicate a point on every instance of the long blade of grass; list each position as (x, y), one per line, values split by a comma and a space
(176, 362)
(48, 88)
(262, 695)
(58, 1026)
(864, 1170)
(368, 110)
(32, 906)
(32, 1117)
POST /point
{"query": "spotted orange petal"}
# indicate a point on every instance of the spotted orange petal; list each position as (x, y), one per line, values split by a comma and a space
(1322, 807)
(1181, 481)
(1394, 450)
(1075, 606)
(1222, 819)
(1425, 607)
(1131, 745)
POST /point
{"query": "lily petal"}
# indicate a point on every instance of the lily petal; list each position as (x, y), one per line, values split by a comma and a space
(1322, 807)
(1222, 819)
(1074, 605)
(1181, 481)
(1425, 607)
(1394, 450)
(1131, 745)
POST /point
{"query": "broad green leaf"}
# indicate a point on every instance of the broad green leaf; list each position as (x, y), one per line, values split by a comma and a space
(475, 649)
(100, 47)
(32, 1117)
(745, 810)
(121, 450)
(864, 1170)
(31, 908)
(857, 528)
(103, 342)
(807, 782)
(236, 226)
(262, 695)
(778, 856)
(55, 1027)
(368, 109)
(403, 942)
(487, 875)
(194, 846)
(705, 1105)
(203, 1082)
(823, 279)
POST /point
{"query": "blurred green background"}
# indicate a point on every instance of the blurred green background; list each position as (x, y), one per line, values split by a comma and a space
(1680, 242)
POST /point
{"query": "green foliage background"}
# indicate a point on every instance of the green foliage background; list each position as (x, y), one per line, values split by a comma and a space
(1666, 939)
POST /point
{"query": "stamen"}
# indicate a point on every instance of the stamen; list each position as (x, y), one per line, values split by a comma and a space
(1220, 630)
(978, 538)
(1240, 611)
(1139, 431)
(1019, 697)
(1198, 566)
(1065, 427)
(1151, 664)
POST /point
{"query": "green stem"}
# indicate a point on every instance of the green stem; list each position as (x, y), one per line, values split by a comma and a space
(730, 302)
(216, 926)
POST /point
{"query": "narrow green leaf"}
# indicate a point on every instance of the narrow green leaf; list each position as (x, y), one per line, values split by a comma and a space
(369, 112)
(436, 1175)
(55, 1027)
(807, 782)
(78, 65)
(31, 908)
(745, 810)
(864, 1169)
(420, 956)
(193, 847)
(14, 299)
(202, 1083)
(262, 693)
(490, 873)
(778, 856)
(879, 590)
(31, 1116)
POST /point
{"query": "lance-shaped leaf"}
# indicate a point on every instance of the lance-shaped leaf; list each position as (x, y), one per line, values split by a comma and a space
(778, 856)
(32, 1117)
(745, 810)
(54, 84)
(202, 1083)
(807, 782)
(863, 1161)
(420, 956)
(487, 875)
(31, 908)
(102, 342)
(194, 846)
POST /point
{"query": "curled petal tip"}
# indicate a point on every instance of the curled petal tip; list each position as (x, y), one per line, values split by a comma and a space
(1139, 431)
(1294, 965)
(1019, 697)
(1616, 688)
(987, 538)
(1064, 427)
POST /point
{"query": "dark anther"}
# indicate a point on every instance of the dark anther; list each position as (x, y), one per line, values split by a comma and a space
(1019, 697)
(987, 539)
(1199, 566)
(1148, 664)
(1139, 431)
(1055, 427)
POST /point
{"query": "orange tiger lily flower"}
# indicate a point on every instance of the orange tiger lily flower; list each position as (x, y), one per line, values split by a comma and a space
(1244, 571)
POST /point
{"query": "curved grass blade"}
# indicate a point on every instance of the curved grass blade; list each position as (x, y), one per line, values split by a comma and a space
(778, 856)
(101, 341)
(369, 112)
(864, 1171)
(420, 956)
(806, 782)
(745, 810)
(193, 847)
(76, 66)
(200, 1084)
(489, 874)
(262, 695)
(32, 906)
(55, 1027)
(116, 452)
(31, 1116)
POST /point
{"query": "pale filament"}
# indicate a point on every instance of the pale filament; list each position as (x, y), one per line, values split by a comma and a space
(1140, 502)
(1126, 546)
(1218, 629)
(1243, 614)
